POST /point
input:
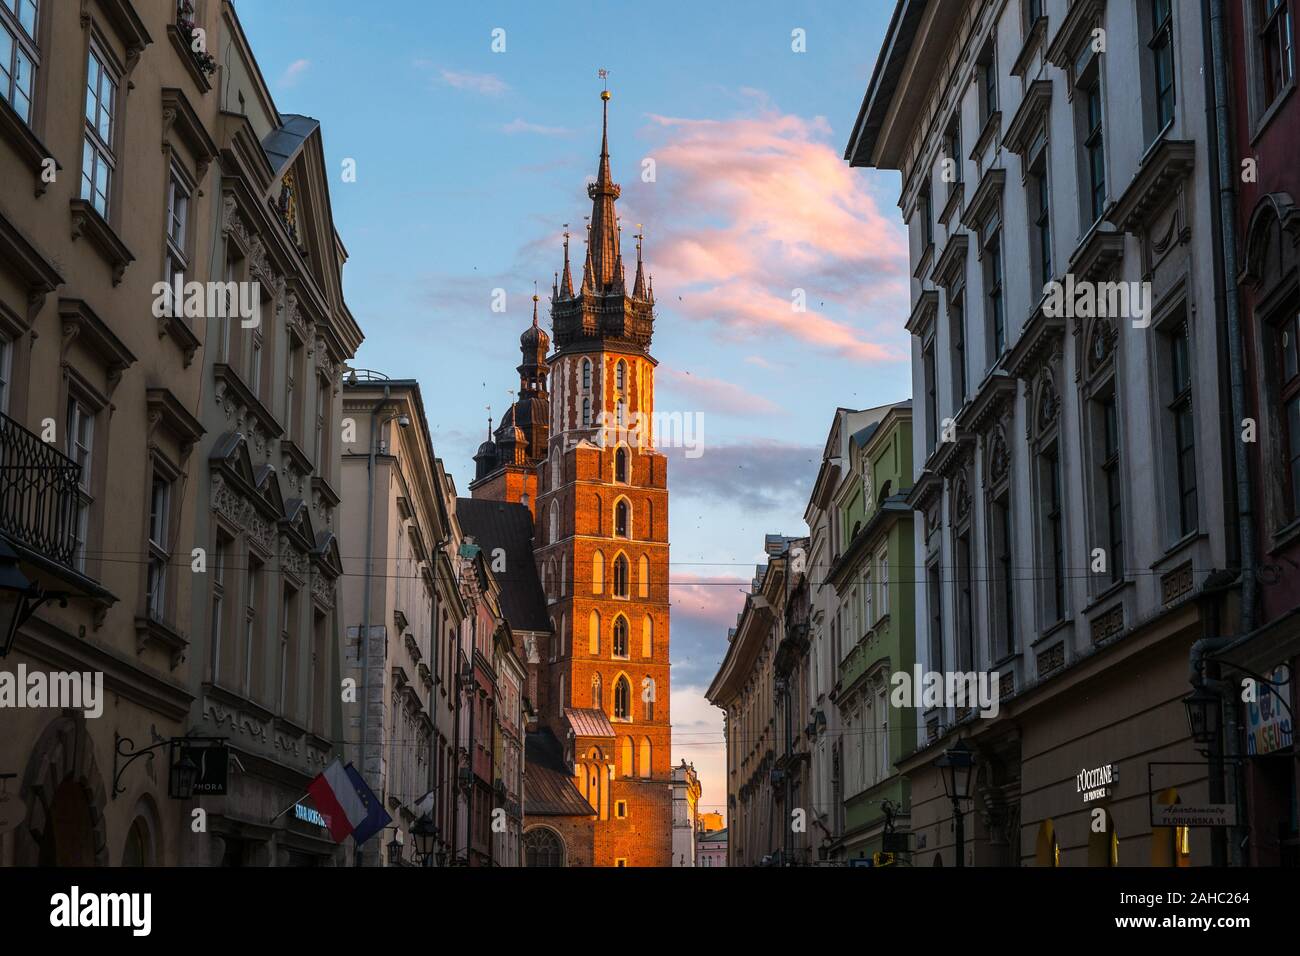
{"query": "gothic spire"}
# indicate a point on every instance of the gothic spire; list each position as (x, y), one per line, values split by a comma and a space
(566, 284)
(638, 285)
(604, 246)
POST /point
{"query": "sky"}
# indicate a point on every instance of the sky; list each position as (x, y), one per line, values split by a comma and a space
(475, 128)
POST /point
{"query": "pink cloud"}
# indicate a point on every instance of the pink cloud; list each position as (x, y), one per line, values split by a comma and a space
(753, 208)
(709, 602)
(715, 394)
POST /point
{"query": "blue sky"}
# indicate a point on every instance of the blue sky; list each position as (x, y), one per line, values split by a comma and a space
(469, 161)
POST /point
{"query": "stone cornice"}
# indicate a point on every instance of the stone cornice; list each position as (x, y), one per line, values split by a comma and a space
(1099, 252)
(996, 392)
(923, 314)
(952, 261)
(1033, 40)
(1168, 163)
(1029, 115)
(987, 198)
(179, 115)
(26, 144)
(86, 221)
(1039, 336)
(1083, 18)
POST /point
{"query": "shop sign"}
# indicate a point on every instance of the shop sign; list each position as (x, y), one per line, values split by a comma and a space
(1268, 726)
(1097, 784)
(1208, 815)
(309, 815)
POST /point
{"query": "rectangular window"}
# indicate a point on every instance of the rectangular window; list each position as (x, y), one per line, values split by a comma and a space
(6, 372)
(996, 306)
(1054, 537)
(957, 327)
(965, 605)
(178, 210)
(159, 557)
(1094, 148)
(953, 173)
(1161, 45)
(924, 210)
(19, 55)
(98, 162)
(322, 424)
(1180, 412)
(251, 649)
(1033, 10)
(931, 400)
(1040, 199)
(1276, 47)
(288, 657)
(1113, 517)
(81, 439)
(934, 597)
(1004, 584)
(882, 562)
(217, 617)
(1289, 394)
(988, 84)
(620, 809)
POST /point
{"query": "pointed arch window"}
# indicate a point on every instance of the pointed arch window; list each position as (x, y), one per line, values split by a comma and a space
(648, 697)
(597, 698)
(622, 518)
(598, 573)
(647, 637)
(586, 375)
(620, 376)
(586, 412)
(593, 633)
(620, 465)
(620, 637)
(625, 764)
(644, 768)
(620, 576)
(553, 520)
(543, 847)
(623, 711)
(643, 576)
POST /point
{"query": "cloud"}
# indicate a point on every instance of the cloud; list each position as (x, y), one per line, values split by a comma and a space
(293, 73)
(523, 126)
(487, 84)
(755, 207)
(714, 394)
(763, 474)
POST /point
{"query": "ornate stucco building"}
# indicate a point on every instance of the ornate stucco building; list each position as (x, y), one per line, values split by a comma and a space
(577, 451)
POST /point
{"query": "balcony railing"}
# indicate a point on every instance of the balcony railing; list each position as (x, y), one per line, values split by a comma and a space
(38, 493)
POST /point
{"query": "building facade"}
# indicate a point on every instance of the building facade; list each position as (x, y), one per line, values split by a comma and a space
(873, 630)
(712, 851)
(402, 556)
(686, 802)
(1069, 452)
(1265, 134)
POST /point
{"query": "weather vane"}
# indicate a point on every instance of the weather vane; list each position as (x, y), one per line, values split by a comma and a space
(604, 75)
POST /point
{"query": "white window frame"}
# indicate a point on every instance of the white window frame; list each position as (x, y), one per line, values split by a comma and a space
(98, 132)
(20, 63)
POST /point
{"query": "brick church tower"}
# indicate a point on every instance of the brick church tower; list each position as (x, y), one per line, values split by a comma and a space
(600, 540)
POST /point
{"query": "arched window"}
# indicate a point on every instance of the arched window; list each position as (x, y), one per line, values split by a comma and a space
(643, 576)
(647, 637)
(648, 697)
(564, 635)
(623, 703)
(620, 637)
(620, 464)
(593, 633)
(645, 757)
(557, 471)
(622, 518)
(543, 847)
(554, 521)
(598, 573)
(586, 412)
(620, 376)
(597, 698)
(586, 374)
(564, 574)
(625, 764)
(620, 413)
(620, 576)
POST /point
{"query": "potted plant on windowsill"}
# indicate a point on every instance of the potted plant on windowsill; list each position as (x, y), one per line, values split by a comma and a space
(185, 24)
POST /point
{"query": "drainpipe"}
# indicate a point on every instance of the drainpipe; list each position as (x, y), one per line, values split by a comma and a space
(1221, 132)
(365, 596)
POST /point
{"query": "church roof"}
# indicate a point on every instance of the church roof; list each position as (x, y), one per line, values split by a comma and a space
(589, 722)
(500, 524)
(548, 788)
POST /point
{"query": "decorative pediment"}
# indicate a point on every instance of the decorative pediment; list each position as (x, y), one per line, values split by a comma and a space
(25, 143)
(923, 314)
(986, 201)
(38, 273)
(1045, 405)
(997, 457)
(88, 223)
(230, 455)
(168, 414)
(1034, 40)
(1274, 226)
(180, 118)
(129, 28)
(1030, 119)
(268, 488)
(326, 555)
(1154, 186)
(995, 395)
(82, 325)
(950, 269)
(1042, 335)
(297, 524)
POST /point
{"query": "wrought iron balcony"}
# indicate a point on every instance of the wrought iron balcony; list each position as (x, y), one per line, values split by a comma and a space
(38, 494)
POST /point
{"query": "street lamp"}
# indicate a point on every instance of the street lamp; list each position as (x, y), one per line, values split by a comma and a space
(426, 838)
(183, 773)
(395, 849)
(955, 765)
(1204, 715)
